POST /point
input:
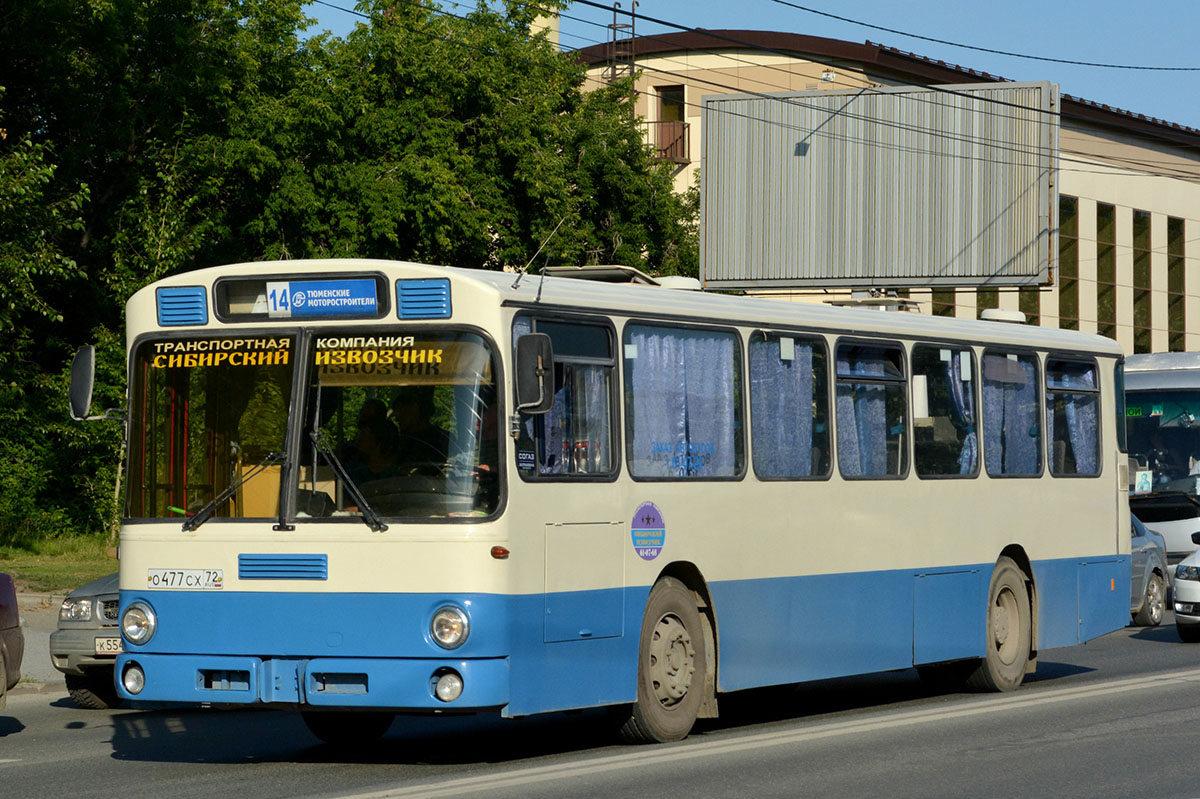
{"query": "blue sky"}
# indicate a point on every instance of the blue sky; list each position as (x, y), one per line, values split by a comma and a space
(1159, 33)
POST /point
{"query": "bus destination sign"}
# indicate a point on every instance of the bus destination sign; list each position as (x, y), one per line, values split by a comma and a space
(290, 299)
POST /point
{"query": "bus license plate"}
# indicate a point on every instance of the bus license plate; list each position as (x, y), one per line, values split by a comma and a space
(109, 646)
(185, 579)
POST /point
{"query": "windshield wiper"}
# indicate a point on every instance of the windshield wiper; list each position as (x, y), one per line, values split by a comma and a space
(368, 514)
(205, 513)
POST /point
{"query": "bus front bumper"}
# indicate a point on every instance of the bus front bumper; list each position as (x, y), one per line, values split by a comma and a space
(402, 684)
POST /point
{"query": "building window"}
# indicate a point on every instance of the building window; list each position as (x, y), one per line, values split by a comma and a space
(1106, 270)
(942, 302)
(1068, 263)
(1142, 299)
(1176, 285)
(1030, 299)
(671, 129)
(986, 299)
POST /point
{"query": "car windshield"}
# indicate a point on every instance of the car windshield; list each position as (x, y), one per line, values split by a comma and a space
(1164, 440)
(410, 419)
(205, 413)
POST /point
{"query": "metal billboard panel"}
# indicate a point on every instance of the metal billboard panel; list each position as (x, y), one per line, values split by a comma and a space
(884, 187)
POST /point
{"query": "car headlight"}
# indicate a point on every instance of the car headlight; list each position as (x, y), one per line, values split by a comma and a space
(1183, 572)
(450, 627)
(76, 609)
(138, 623)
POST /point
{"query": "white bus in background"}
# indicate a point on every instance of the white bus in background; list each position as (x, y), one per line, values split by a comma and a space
(1162, 396)
(360, 488)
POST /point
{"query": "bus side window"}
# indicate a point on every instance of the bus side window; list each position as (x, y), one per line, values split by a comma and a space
(871, 410)
(1072, 418)
(1012, 425)
(575, 437)
(944, 412)
(789, 406)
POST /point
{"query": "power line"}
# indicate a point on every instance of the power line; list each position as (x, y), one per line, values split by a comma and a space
(1036, 152)
(985, 49)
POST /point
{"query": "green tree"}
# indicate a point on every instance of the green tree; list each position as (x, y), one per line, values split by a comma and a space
(149, 137)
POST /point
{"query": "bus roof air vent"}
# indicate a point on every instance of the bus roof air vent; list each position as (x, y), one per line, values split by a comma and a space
(182, 305)
(423, 299)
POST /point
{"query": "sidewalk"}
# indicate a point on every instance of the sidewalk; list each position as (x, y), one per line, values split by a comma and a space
(39, 618)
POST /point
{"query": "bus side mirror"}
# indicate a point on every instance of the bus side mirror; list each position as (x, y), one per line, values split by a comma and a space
(535, 373)
(83, 376)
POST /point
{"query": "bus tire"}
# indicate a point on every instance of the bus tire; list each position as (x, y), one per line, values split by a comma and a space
(346, 728)
(672, 662)
(1009, 631)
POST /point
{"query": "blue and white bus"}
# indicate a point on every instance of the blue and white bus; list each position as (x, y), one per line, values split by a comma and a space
(358, 488)
(1162, 395)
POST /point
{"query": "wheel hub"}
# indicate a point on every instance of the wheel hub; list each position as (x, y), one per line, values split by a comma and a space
(672, 660)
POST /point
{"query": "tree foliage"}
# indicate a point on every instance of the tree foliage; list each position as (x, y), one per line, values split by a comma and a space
(143, 138)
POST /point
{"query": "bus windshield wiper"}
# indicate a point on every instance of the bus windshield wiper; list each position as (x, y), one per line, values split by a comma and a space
(367, 513)
(205, 513)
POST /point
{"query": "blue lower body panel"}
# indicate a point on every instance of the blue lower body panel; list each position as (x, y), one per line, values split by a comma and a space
(532, 653)
(324, 682)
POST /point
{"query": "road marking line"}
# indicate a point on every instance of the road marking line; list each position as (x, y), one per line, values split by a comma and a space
(690, 750)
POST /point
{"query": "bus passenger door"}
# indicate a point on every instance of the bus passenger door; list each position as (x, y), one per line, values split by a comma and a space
(585, 581)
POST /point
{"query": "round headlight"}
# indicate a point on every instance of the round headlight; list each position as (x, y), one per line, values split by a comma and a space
(450, 627)
(75, 610)
(138, 623)
(134, 679)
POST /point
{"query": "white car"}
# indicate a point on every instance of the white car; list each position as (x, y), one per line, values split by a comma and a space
(1187, 596)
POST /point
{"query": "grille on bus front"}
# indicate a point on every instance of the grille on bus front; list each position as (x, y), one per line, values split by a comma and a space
(282, 567)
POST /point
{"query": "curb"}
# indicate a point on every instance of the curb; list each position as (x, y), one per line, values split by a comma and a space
(55, 687)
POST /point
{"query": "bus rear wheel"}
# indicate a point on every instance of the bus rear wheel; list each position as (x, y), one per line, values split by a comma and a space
(672, 663)
(345, 728)
(1009, 631)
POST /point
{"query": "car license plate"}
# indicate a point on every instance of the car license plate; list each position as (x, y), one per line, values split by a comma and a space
(109, 646)
(186, 579)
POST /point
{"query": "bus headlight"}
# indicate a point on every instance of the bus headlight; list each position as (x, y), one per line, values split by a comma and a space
(138, 623)
(450, 627)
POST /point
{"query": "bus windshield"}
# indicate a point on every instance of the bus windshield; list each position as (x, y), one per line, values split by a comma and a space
(206, 412)
(1164, 440)
(412, 421)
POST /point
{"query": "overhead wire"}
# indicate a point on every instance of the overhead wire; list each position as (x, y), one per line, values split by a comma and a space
(1036, 152)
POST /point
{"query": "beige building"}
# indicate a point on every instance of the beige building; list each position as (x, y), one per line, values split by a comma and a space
(1129, 186)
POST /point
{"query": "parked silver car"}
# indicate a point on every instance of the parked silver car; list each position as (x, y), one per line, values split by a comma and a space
(86, 644)
(1148, 588)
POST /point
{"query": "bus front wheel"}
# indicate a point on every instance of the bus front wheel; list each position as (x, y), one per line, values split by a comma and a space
(672, 663)
(1009, 631)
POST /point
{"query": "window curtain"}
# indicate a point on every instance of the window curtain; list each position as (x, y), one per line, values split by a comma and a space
(682, 402)
(963, 401)
(1080, 412)
(1011, 433)
(861, 419)
(781, 396)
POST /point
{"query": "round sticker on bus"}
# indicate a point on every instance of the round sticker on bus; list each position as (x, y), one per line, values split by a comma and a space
(649, 531)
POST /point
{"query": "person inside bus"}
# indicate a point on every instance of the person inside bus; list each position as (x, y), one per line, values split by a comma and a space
(377, 445)
(420, 440)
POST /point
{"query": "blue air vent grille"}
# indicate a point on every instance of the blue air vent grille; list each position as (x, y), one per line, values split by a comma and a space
(283, 567)
(183, 305)
(423, 299)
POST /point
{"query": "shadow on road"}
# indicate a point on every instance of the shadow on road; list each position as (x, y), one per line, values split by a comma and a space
(248, 736)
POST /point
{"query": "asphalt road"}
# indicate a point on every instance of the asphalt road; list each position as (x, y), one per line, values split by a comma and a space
(1112, 718)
